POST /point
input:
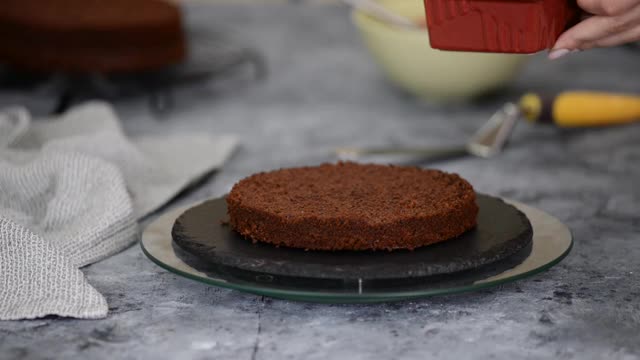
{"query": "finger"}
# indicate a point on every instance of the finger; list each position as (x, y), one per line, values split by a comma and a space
(607, 7)
(586, 33)
(585, 16)
(624, 37)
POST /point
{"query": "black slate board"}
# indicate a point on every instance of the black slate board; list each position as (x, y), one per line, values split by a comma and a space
(501, 232)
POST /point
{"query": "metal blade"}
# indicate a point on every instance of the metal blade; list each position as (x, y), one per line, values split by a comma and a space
(404, 155)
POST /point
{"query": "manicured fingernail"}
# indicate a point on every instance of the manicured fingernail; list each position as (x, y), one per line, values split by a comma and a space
(575, 50)
(558, 53)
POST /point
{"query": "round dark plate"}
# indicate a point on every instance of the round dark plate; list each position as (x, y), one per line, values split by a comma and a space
(502, 231)
(551, 242)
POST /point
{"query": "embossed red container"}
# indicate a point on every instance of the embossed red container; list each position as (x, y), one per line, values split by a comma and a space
(505, 26)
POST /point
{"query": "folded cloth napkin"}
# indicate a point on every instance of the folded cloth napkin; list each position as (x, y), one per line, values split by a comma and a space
(71, 192)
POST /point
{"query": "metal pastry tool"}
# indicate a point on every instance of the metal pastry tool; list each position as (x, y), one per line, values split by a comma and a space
(567, 110)
(489, 140)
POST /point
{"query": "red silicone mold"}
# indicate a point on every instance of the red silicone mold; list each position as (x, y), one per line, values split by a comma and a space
(506, 26)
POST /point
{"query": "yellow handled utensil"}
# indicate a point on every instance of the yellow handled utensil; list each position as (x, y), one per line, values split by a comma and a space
(581, 108)
(566, 109)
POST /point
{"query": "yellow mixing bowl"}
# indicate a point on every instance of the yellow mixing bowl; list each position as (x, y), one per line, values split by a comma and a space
(408, 60)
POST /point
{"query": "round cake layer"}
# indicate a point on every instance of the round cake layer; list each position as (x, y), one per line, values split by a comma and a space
(348, 206)
(91, 35)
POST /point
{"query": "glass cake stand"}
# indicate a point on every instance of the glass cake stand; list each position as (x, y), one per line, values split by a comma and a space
(551, 242)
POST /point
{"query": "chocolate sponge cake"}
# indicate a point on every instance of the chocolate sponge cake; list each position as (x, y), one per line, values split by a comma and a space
(348, 206)
(96, 36)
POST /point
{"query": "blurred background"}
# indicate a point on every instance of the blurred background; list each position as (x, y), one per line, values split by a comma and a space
(271, 70)
(98, 49)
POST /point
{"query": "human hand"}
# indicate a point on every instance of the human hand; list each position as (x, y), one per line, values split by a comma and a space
(609, 23)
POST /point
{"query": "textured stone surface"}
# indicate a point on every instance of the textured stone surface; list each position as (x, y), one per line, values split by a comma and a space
(324, 92)
(501, 231)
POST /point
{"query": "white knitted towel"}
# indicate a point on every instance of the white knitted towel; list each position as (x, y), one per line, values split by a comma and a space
(71, 192)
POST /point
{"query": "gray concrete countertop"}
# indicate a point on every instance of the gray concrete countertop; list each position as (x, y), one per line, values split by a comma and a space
(324, 91)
